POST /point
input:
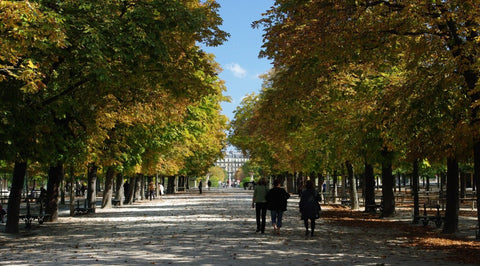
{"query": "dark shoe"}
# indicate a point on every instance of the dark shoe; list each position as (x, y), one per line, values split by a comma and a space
(258, 230)
(263, 232)
(306, 233)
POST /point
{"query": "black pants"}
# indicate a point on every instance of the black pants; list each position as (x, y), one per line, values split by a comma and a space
(261, 209)
(312, 224)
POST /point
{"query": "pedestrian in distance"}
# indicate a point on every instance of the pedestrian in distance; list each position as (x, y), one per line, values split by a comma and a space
(42, 199)
(259, 201)
(161, 189)
(277, 204)
(209, 184)
(200, 186)
(309, 206)
(151, 190)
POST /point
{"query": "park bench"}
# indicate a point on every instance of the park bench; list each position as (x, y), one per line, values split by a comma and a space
(115, 202)
(345, 202)
(472, 200)
(28, 218)
(425, 218)
(81, 210)
(374, 207)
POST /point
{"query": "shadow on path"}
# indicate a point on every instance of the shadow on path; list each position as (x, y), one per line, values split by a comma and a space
(208, 229)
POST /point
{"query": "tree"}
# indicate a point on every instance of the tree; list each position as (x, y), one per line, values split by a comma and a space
(315, 42)
(61, 99)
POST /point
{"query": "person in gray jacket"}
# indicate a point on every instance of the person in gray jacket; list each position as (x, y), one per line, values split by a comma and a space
(259, 201)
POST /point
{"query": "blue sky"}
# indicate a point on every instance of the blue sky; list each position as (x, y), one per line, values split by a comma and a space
(238, 57)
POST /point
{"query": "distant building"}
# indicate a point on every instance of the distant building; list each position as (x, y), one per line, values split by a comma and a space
(232, 161)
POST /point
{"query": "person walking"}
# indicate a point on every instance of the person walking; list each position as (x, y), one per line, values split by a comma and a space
(151, 190)
(277, 204)
(309, 206)
(161, 189)
(259, 201)
(200, 184)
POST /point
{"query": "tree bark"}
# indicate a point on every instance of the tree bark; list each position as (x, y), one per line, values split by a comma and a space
(415, 184)
(91, 187)
(335, 187)
(387, 185)
(476, 178)
(344, 186)
(15, 197)
(353, 186)
(62, 190)
(451, 211)
(107, 191)
(171, 185)
(141, 187)
(131, 190)
(369, 187)
(290, 181)
(55, 176)
(157, 187)
(463, 185)
(72, 191)
(119, 192)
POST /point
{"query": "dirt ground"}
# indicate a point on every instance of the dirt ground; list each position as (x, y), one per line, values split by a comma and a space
(218, 228)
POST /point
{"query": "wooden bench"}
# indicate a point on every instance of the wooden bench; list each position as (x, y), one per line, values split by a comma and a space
(345, 202)
(115, 202)
(425, 218)
(29, 218)
(81, 210)
(466, 200)
(374, 207)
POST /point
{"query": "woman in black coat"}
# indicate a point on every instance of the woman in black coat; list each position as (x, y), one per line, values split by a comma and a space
(309, 206)
(277, 204)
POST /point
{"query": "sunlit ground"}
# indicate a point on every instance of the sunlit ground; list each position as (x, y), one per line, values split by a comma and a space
(208, 229)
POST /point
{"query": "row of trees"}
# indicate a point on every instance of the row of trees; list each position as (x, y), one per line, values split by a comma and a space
(367, 85)
(117, 84)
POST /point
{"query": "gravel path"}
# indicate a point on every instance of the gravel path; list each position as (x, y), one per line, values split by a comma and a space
(215, 228)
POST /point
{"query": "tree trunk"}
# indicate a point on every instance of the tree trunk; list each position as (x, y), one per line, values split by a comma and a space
(335, 187)
(290, 181)
(476, 178)
(369, 187)
(107, 191)
(91, 187)
(463, 185)
(142, 187)
(353, 186)
(415, 184)
(428, 183)
(451, 211)
(157, 187)
(171, 185)
(344, 186)
(387, 185)
(72, 189)
(55, 176)
(119, 192)
(137, 187)
(62, 190)
(131, 190)
(15, 197)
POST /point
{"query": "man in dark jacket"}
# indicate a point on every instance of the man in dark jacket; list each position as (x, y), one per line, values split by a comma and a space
(277, 204)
